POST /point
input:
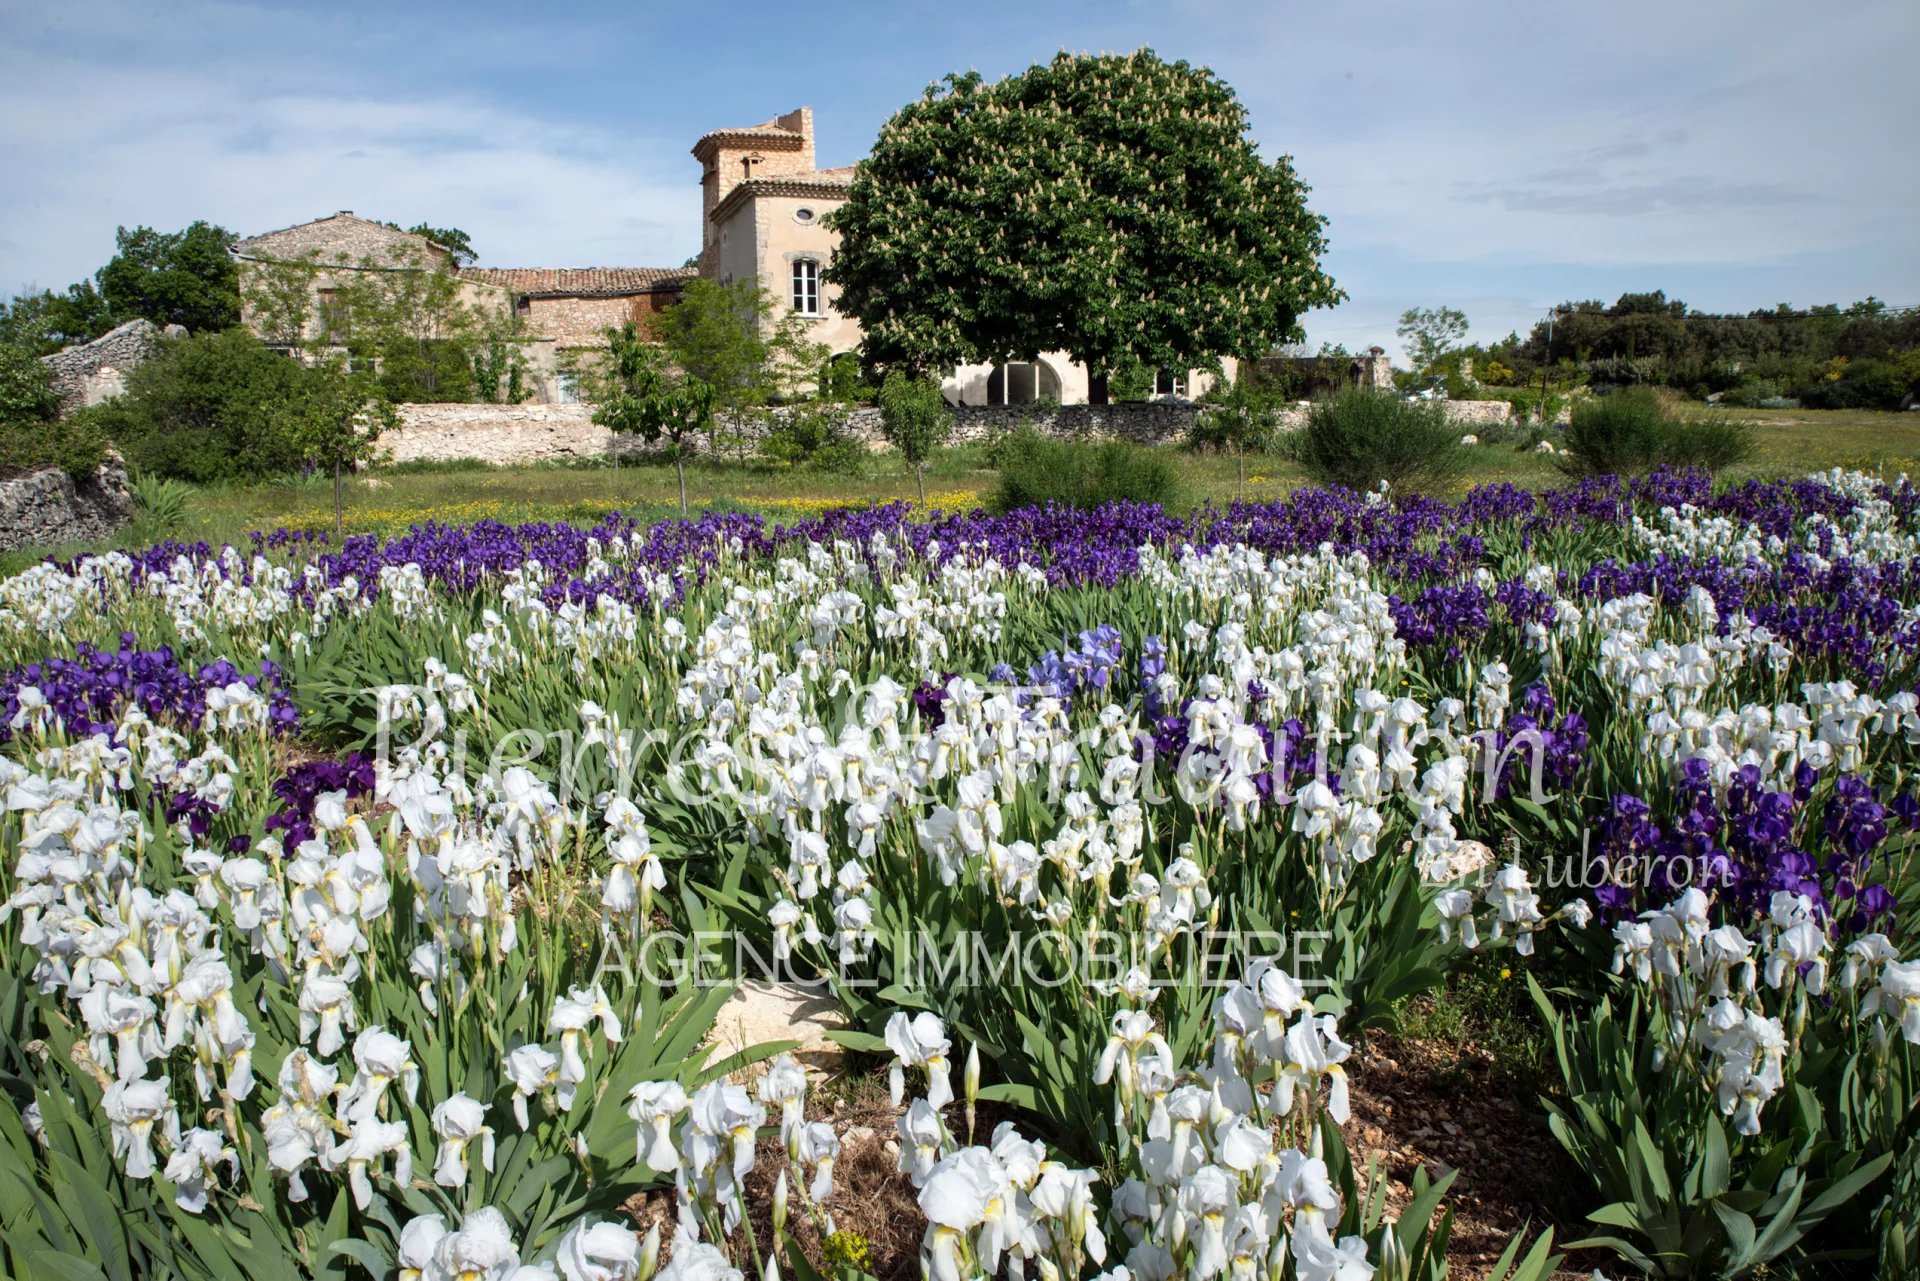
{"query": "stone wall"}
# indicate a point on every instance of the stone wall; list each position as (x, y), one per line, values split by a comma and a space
(47, 508)
(1480, 413)
(517, 434)
(500, 434)
(91, 372)
(1153, 422)
(581, 322)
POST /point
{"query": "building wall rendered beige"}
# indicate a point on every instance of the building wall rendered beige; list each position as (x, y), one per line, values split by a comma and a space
(781, 239)
(736, 255)
(967, 385)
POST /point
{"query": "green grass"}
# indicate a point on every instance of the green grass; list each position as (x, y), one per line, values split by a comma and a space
(1788, 442)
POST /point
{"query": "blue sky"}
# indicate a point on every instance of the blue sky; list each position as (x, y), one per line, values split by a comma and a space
(1497, 158)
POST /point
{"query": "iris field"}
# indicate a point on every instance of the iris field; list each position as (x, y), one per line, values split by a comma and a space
(368, 905)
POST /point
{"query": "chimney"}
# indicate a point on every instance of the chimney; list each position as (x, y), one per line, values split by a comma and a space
(800, 121)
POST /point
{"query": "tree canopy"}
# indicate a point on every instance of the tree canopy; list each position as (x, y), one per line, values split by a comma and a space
(174, 278)
(1111, 207)
(1860, 356)
(184, 277)
(39, 323)
(727, 336)
(914, 418)
(1430, 333)
(635, 393)
(452, 239)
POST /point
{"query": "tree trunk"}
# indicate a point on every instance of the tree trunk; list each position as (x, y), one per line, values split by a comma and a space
(337, 502)
(1240, 457)
(680, 470)
(920, 477)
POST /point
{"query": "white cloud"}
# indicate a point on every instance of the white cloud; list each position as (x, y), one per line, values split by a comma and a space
(1687, 140)
(93, 144)
(1498, 158)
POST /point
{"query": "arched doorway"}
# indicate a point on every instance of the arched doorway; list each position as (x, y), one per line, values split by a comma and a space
(1022, 383)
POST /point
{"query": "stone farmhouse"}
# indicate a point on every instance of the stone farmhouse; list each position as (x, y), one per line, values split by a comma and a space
(562, 309)
(763, 201)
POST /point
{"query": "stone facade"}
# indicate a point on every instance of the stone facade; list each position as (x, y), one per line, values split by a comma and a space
(573, 307)
(562, 309)
(339, 249)
(48, 508)
(346, 239)
(575, 323)
(91, 372)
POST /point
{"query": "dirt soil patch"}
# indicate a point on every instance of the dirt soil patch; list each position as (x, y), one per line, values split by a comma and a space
(1430, 1104)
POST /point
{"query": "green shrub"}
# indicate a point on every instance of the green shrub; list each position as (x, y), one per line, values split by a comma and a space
(31, 438)
(1622, 434)
(1036, 470)
(1865, 384)
(1761, 393)
(916, 420)
(26, 388)
(816, 437)
(216, 407)
(75, 445)
(1242, 416)
(1359, 438)
(1634, 431)
(1712, 444)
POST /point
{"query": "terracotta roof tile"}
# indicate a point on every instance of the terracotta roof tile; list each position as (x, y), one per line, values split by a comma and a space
(578, 280)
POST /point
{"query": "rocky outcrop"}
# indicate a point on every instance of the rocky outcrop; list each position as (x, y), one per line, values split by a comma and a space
(48, 508)
(759, 1011)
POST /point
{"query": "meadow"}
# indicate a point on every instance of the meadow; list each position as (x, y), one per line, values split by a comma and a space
(385, 500)
(1179, 879)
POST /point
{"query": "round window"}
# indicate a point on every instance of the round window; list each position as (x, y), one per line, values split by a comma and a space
(803, 215)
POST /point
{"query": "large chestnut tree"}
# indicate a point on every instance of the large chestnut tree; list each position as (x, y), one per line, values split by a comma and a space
(1111, 207)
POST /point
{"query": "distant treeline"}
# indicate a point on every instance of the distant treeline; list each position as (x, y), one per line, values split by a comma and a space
(1865, 356)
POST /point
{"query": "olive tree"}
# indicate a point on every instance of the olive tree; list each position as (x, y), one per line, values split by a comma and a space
(1111, 207)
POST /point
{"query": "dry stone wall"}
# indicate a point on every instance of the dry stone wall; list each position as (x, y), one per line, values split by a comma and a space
(499, 434)
(88, 373)
(47, 508)
(518, 434)
(1151, 423)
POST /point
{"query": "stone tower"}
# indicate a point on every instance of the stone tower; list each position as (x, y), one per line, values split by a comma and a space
(779, 148)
